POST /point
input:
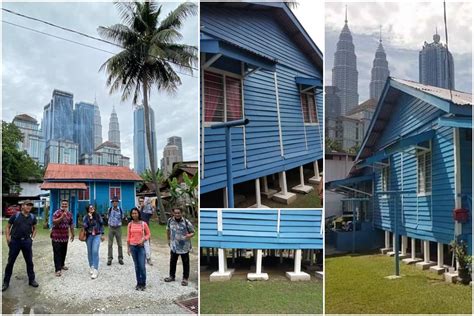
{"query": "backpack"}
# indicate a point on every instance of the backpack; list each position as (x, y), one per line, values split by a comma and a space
(185, 223)
(18, 215)
(110, 210)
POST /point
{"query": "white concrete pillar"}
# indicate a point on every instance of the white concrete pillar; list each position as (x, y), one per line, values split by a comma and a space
(440, 255)
(258, 275)
(222, 260)
(258, 265)
(316, 171)
(426, 251)
(298, 261)
(301, 176)
(223, 273)
(226, 205)
(404, 245)
(257, 193)
(297, 275)
(284, 187)
(393, 241)
(387, 239)
(413, 248)
(265, 184)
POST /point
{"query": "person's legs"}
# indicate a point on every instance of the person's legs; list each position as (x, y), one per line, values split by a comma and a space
(141, 264)
(95, 251)
(14, 250)
(118, 235)
(110, 254)
(57, 255)
(26, 249)
(89, 241)
(185, 260)
(173, 262)
(134, 253)
(63, 253)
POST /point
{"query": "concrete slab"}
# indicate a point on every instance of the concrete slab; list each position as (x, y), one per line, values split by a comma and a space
(261, 206)
(411, 261)
(385, 250)
(451, 277)
(287, 198)
(403, 256)
(268, 194)
(216, 276)
(319, 275)
(425, 265)
(393, 277)
(314, 180)
(300, 276)
(257, 276)
(437, 269)
(305, 189)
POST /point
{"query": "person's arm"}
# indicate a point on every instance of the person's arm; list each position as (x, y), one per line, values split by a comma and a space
(71, 228)
(147, 231)
(7, 232)
(168, 235)
(33, 232)
(128, 238)
(190, 233)
(57, 218)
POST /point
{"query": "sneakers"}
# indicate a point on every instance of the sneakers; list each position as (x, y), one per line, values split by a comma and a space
(91, 270)
(94, 274)
(121, 261)
(169, 279)
(5, 287)
(109, 262)
(33, 283)
(149, 262)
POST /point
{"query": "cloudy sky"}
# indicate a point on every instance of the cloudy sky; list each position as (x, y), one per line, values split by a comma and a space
(35, 64)
(405, 27)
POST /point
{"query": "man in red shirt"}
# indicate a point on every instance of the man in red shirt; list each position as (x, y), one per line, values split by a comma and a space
(62, 225)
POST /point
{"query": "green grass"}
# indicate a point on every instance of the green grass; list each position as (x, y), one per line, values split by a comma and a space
(357, 284)
(269, 297)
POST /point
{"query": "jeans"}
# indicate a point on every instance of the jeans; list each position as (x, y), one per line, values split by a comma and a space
(93, 243)
(174, 260)
(117, 233)
(138, 255)
(59, 254)
(15, 246)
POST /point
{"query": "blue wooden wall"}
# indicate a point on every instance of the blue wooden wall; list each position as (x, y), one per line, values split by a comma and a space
(260, 229)
(424, 217)
(261, 156)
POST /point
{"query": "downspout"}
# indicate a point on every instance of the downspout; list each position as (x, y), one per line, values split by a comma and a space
(457, 183)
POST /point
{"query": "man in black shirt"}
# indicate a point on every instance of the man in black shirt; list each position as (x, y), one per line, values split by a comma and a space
(21, 229)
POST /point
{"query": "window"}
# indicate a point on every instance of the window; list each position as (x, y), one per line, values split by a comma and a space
(83, 195)
(308, 106)
(115, 192)
(385, 178)
(222, 97)
(424, 171)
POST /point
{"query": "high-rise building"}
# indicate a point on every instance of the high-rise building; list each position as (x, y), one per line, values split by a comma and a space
(106, 154)
(436, 64)
(97, 126)
(84, 114)
(140, 149)
(178, 141)
(380, 72)
(33, 142)
(344, 71)
(61, 151)
(170, 156)
(114, 129)
(58, 117)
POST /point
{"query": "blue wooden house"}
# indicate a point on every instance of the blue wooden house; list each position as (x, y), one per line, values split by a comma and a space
(415, 166)
(260, 229)
(257, 62)
(82, 185)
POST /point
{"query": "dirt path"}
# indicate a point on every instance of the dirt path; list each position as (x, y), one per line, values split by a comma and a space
(112, 292)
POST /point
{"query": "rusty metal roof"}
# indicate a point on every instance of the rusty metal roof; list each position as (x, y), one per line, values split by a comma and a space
(63, 185)
(89, 172)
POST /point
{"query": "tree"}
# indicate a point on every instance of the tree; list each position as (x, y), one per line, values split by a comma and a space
(17, 165)
(150, 47)
(333, 145)
(147, 176)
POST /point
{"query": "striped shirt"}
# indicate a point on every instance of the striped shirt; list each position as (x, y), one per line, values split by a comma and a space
(60, 231)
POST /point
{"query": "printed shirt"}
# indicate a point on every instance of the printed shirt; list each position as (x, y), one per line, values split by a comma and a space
(148, 209)
(93, 226)
(136, 231)
(60, 231)
(115, 217)
(178, 230)
(22, 226)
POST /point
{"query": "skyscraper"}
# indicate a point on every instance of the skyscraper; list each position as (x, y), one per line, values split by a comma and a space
(436, 64)
(140, 149)
(83, 127)
(178, 141)
(170, 156)
(344, 71)
(97, 126)
(58, 117)
(33, 142)
(114, 129)
(380, 72)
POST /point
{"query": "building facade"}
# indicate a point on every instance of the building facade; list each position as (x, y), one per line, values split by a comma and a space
(436, 65)
(33, 142)
(141, 156)
(106, 154)
(84, 115)
(379, 73)
(171, 155)
(114, 128)
(97, 126)
(178, 141)
(61, 151)
(58, 117)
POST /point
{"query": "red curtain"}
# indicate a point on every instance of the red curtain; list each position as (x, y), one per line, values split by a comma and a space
(234, 98)
(213, 97)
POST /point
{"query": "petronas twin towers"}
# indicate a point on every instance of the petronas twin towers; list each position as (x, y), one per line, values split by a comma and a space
(345, 74)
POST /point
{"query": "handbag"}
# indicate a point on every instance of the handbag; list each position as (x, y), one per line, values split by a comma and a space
(82, 234)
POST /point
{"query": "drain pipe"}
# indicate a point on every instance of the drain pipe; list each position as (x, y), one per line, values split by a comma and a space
(457, 183)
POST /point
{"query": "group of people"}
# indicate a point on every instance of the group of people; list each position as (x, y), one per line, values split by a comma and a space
(21, 230)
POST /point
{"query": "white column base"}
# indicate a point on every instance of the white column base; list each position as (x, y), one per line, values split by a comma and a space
(438, 270)
(424, 265)
(298, 276)
(285, 198)
(258, 206)
(319, 275)
(411, 260)
(257, 276)
(305, 189)
(384, 251)
(225, 276)
(269, 193)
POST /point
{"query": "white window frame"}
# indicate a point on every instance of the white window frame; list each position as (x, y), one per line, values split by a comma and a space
(116, 187)
(89, 188)
(385, 179)
(421, 154)
(311, 92)
(224, 75)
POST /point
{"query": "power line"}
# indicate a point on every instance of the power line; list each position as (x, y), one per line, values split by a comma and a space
(450, 86)
(75, 42)
(86, 35)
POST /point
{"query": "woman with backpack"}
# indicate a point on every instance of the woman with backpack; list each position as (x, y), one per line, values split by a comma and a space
(137, 233)
(93, 226)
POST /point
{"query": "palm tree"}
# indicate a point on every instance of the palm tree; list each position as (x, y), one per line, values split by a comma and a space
(150, 47)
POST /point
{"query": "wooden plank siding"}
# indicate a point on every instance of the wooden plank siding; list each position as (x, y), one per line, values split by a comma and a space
(426, 217)
(256, 148)
(261, 229)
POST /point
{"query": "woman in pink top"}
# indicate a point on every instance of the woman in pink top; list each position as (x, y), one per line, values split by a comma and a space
(137, 233)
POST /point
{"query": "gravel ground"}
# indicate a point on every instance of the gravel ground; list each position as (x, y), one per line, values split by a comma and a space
(112, 292)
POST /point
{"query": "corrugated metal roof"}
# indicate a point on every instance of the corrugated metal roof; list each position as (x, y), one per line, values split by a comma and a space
(63, 185)
(89, 172)
(458, 97)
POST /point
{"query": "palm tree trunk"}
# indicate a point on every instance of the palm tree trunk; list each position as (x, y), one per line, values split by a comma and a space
(151, 153)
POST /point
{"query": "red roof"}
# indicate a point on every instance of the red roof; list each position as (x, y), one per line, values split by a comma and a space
(89, 172)
(64, 185)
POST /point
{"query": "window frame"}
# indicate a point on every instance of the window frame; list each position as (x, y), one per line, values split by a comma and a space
(421, 154)
(306, 93)
(115, 187)
(83, 193)
(224, 74)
